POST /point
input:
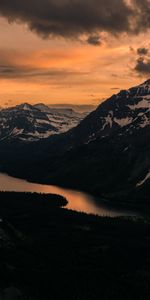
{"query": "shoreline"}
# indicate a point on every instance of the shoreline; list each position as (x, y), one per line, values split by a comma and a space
(109, 202)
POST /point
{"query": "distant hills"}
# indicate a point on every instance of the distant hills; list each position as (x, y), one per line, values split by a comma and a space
(28, 123)
(79, 108)
(107, 154)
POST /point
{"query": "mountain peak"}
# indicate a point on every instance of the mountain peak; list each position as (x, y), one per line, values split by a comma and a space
(145, 83)
(141, 90)
(25, 106)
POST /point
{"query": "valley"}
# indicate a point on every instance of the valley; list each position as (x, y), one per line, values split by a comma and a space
(74, 150)
(106, 154)
(76, 200)
(78, 217)
(44, 246)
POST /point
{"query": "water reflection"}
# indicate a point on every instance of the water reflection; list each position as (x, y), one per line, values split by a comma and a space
(78, 201)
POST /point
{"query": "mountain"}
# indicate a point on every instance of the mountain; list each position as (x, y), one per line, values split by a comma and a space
(107, 154)
(82, 108)
(29, 123)
(127, 111)
(63, 118)
(110, 148)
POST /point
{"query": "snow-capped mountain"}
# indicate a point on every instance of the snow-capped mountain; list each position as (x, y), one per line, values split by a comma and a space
(62, 118)
(113, 144)
(32, 123)
(128, 111)
(107, 153)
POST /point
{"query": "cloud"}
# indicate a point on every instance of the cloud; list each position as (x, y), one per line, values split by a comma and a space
(94, 40)
(143, 14)
(143, 66)
(142, 51)
(73, 18)
(28, 73)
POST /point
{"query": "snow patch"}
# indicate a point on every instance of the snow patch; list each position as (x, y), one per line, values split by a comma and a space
(123, 122)
(16, 131)
(108, 120)
(40, 121)
(144, 180)
(141, 104)
(125, 149)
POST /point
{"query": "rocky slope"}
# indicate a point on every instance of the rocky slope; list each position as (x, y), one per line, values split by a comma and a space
(107, 154)
(29, 123)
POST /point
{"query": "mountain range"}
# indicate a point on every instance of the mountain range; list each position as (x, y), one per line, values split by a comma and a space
(81, 108)
(28, 123)
(106, 154)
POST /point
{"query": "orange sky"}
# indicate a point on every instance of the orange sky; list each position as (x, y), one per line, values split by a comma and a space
(64, 71)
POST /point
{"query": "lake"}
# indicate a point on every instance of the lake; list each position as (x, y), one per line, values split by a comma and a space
(78, 201)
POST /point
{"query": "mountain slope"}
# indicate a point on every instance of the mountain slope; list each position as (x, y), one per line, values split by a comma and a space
(29, 123)
(129, 110)
(113, 156)
(107, 154)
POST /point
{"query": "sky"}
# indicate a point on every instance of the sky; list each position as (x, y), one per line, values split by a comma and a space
(72, 51)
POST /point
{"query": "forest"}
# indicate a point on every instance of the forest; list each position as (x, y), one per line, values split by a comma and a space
(50, 252)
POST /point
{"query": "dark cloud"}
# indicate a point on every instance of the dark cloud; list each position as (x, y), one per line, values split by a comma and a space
(142, 14)
(143, 66)
(114, 75)
(142, 51)
(131, 49)
(72, 18)
(94, 40)
(24, 73)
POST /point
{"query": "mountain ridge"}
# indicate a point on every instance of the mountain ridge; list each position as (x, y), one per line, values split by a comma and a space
(28, 123)
(107, 154)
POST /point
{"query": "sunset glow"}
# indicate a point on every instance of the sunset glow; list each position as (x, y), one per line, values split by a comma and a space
(64, 69)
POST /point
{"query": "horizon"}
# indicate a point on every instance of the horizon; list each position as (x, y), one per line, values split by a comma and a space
(65, 104)
(59, 105)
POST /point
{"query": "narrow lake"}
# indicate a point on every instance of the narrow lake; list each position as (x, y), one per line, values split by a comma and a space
(77, 201)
